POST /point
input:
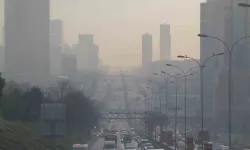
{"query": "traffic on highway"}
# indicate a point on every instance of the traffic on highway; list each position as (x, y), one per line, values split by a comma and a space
(119, 136)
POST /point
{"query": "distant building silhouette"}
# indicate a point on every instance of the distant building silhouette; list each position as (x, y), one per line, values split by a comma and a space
(211, 23)
(87, 53)
(147, 49)
(69, 65)
(27, 38)
(94, 57)
(1, 58)
(165, 42)
(56, 39)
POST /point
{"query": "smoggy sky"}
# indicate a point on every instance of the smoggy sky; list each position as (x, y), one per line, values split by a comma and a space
(119, 24)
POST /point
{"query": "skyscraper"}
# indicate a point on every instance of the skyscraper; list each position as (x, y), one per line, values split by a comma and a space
(146, 49)
(56, 39)
(83, 49)
(237, 25)
(165, 42)
(94, 58)
(69, 63)
(211, 23)
(27, 38)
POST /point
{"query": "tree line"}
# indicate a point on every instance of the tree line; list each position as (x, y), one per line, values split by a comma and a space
(22, 104)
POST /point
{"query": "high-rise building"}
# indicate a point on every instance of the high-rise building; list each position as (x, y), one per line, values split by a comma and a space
(56, 39)
(27, 38)
(211, 23)
(147, 49)
(1, 58)
(83, 49)
(87, 53)
(236, 26)
(165, 42)
(69, 65)
(94, 58)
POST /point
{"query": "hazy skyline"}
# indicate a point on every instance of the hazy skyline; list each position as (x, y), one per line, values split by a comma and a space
(119, 24)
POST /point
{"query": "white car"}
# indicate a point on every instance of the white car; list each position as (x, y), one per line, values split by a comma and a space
(80, 146)
(145, 145)
(142, 141)
(130, 147)
(148, 147)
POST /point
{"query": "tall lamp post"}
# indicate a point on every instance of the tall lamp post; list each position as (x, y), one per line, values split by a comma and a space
(167, 81)
(201, 66)
(154, 102)
(229, 50)
(153, 96)
(176, 104)
(160, 102)
(185, 75)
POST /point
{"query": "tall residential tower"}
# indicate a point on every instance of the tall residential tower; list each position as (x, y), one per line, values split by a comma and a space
(27, 38)
(146, 49)
(165, 42)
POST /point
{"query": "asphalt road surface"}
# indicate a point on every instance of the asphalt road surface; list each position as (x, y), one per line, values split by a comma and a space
(98, 145)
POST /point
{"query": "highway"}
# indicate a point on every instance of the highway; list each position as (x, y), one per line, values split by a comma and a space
(98, 145)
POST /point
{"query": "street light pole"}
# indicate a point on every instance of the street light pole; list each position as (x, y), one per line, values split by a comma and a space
(167, 80)
(176, 115)
(229, 50)
(185, 74)
(201, 66)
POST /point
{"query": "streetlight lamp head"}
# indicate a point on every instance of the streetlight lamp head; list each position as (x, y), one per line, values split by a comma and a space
(169, 65)
(181, 56)
(243, 5)
(163, 72)
(220, 54)
(191, 74)
(202, 35)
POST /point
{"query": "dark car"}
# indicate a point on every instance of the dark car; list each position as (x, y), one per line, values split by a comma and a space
(110, 137)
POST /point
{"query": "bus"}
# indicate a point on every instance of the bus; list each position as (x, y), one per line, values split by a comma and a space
(80, 146)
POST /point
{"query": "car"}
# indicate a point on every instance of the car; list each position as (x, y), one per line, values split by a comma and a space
(148, 147)
(126, 138)
(142, 141)
(111, 137)
(136, 138)
(80, 146)
(130, 147)
(145, 145)
(110, 145)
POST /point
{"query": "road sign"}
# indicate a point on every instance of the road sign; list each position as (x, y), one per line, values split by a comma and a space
(53, 119)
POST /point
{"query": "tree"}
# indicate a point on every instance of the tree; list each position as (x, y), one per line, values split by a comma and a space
(2, 84)
(15, 135)
(34, 98)
(18, 105)
(81, 114)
